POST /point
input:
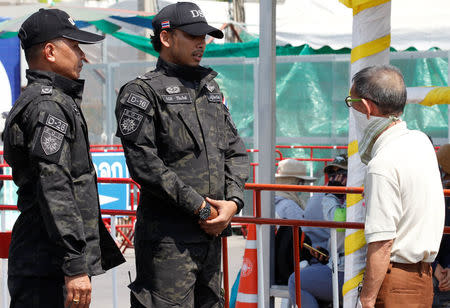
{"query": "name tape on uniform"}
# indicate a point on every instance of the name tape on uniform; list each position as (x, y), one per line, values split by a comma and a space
(182, 98)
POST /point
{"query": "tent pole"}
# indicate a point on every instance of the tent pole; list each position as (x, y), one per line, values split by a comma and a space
(265, 139)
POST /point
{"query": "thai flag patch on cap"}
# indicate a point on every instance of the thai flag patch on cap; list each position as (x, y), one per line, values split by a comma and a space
(224, 101)
(165, 24)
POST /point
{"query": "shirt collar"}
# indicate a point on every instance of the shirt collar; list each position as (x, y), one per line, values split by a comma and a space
(73, 88)
(185, 72)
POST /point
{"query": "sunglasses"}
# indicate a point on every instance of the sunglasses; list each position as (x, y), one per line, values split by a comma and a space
(349, 101)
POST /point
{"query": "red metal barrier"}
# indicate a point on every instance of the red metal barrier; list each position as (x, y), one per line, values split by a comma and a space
(95, 148)
(298, 294)
(114, 146)
(5, 240)
(257, 188)
(225, 270)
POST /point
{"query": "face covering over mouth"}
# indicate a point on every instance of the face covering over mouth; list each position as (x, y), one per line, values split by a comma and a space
(367, 130)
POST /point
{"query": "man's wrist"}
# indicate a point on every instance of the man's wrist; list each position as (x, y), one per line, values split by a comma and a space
(239, 203)
(205, 211)
(200, 207)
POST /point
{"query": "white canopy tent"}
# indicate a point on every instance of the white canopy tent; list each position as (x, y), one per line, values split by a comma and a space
(421, 24)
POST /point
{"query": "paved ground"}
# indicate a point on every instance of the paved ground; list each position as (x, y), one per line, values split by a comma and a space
(103, 285)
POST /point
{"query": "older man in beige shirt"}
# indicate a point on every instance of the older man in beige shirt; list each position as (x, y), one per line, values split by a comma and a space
(403, 194)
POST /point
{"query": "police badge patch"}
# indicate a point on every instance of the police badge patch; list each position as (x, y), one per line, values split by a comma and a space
(51, 140)
(46, 90)
(173, 89)
(129, 122)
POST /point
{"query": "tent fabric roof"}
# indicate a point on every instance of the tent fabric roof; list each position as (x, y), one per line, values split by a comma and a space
(307, 22)
(318, 23)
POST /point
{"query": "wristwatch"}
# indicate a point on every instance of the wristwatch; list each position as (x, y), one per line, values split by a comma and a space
(204, 213)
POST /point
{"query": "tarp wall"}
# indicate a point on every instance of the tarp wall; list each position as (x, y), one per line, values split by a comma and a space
(310, 97)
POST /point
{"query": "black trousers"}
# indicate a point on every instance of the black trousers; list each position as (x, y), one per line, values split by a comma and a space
(177, 275)
(36, 292)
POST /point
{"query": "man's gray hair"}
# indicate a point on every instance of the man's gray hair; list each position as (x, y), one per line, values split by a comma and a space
(383, 85)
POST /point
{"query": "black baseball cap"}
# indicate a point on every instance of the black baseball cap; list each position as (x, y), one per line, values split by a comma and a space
(46, 25)
(185, 16)
(340, 161)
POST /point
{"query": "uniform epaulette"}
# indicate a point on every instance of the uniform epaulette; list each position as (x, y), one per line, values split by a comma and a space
(150, 75)
(46, 90)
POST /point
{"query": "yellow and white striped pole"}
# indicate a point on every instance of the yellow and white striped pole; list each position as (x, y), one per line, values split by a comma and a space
(371, 40)
(370, 46)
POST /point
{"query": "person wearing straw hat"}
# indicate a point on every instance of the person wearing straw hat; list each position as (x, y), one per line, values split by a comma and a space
(59, 240)
(441, 266)
(184, 150)
(288, 204)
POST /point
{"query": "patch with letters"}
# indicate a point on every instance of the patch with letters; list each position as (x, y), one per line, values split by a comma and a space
(56, 123)
(138, 101)
(129, 122)
(51, 140)
(214, 97)
(182, 98)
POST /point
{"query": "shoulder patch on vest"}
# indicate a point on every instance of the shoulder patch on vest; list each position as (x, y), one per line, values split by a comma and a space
(51, 141)
(46, 90)
(211, 87)
(129, 122)
(56, 124)
(173, 90)
(214, 97)
(138, 101)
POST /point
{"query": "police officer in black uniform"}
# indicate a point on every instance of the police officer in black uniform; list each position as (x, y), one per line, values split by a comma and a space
(182, 147)
(59, 240)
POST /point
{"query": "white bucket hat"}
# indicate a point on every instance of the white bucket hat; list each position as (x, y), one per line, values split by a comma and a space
(291, 168)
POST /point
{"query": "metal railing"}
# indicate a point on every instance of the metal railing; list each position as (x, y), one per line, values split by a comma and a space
(256, 219)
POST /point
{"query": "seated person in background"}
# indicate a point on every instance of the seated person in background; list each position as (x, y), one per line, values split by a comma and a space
(288, 204)
(314, 209)
(441, 266)
(316, 282)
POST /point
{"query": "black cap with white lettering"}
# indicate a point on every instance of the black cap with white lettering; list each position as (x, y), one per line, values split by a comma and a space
(185, 16)
(46, 25)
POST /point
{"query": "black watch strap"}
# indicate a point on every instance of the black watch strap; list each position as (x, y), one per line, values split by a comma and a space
(205, 212)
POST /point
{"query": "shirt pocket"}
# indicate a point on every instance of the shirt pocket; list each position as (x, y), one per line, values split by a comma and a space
(182, 137)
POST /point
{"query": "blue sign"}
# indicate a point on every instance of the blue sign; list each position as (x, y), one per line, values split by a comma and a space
(10, 64)
(112, 165)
